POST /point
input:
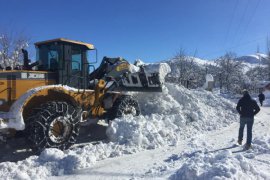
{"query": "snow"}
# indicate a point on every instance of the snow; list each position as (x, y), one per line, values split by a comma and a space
(162, 68)
(217, 166)
(181, 134)
(225, 164)
(175, 114)
(133, 68)
(203, 61)
(15, 113)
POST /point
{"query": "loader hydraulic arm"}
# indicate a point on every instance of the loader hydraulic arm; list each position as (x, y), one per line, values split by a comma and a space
(97, 109)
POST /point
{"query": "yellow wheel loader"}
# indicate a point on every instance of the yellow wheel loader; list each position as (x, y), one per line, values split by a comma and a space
(48, 99)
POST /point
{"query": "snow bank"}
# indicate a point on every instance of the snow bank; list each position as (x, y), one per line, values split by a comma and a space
(225, 164)
(54, 162)
(175, 114)
(222, 165)
(166, 119)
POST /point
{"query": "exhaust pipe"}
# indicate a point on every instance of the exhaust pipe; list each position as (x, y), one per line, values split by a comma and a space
(25, 59)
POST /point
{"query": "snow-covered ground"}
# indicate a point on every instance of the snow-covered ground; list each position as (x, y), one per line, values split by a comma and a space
(181, 134)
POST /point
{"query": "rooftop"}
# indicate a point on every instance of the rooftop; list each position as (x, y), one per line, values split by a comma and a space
(87, 45)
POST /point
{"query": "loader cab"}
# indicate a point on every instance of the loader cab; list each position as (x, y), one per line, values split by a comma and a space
(67, 59)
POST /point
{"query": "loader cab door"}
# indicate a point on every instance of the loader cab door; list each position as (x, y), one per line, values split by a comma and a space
(49, 57)
(74, 72)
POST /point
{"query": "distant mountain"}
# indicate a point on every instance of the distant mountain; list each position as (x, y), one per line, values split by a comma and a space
(257, 58)
(196, 64)
(249, 61)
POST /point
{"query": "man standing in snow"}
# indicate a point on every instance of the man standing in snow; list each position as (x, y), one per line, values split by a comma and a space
(261, 98)
(247, 108)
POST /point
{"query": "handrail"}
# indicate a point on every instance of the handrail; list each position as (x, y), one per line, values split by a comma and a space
(83, 78)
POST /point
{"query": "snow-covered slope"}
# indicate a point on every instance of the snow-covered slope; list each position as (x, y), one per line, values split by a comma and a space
(167, 119)
(257, 58)
(249, 61)
(196, 60)
(253, 59)
(204, 61)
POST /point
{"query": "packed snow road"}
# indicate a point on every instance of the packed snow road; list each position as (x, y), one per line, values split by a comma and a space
(205, 156)
(181, 134)
(17, 149)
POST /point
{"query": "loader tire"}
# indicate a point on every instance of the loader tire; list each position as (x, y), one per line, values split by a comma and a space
(124, 105)
(54, 125)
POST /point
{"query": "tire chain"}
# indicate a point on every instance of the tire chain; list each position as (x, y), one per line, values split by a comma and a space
(39, 124)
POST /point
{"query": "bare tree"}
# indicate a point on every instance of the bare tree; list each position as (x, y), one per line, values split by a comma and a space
(258, 73)
(10, 48)
(183, 68)
(181, 64)
(186, 70)
(231, 75)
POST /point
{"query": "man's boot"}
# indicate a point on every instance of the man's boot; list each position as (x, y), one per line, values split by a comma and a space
(239, 142)
(247, 147)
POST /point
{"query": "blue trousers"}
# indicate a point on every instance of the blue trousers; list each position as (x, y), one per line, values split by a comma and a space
(249, 122)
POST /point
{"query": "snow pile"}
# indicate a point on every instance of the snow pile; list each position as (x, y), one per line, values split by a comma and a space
(175, 114)
(222, 165)
(166, 119)
(54, 162)
(225, 164)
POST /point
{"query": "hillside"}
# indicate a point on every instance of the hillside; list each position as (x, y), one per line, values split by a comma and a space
(249, 62)
(257, 58)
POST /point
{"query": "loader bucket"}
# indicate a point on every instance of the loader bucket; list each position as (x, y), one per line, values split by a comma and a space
(142, 82)
(149, 78)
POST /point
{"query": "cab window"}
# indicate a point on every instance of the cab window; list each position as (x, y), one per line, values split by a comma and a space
(48, 57)
(76, 58)
(53, 59)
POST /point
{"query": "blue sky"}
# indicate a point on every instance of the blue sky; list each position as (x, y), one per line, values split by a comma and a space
(151, 30)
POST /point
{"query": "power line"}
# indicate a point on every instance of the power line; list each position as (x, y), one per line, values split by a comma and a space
(235, 46)
(241, 20)
(230, 22)
(250, 19)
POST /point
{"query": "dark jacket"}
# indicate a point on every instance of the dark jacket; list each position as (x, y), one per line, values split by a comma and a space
(247, 107)
(261, 97)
